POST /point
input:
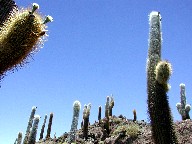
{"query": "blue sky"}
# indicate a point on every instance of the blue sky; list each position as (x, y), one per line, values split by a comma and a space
(96, 48)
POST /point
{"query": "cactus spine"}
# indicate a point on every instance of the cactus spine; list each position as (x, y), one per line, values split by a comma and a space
(30, 122)
(76, 110)
(86, 114)
(49, 126)
(43, 127)
(158, 106)
(182, 107)
(20, 36)
(33, 133)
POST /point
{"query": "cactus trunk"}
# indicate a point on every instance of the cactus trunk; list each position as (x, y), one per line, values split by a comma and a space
(158, 106)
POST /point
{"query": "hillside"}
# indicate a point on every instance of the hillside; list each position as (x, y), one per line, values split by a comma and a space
(124, 131)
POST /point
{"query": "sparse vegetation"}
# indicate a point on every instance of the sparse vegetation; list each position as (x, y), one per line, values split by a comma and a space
(21, 31)
(132, 129)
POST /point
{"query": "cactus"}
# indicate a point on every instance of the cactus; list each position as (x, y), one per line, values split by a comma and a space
(107, 107)
(49, 126)
(30, 122)
(158, 73)
(182, 107)
(19, 138)
(99, 114)
(43, 127)
(86, 114)
(76, 110)
(108, 112)
(111, 105)
(134, 115)
(20, 35)
(33, 133)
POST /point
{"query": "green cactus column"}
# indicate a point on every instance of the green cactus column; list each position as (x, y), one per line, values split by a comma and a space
(158, 73)
(76, 110)
(134, 115)
(29, 126)
(49, 126)
(43, 127)
(86, 114)
(99, 114)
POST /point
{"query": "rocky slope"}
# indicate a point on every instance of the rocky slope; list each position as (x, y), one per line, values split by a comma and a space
(123, 131)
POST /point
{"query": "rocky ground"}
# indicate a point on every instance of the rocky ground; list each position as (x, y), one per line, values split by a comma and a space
(123, 131)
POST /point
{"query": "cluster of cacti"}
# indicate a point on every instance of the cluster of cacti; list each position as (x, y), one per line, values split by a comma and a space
(158, 73)
(183, 108)
(21, 32)
(31, 132)
(86, 114)
(76, 110)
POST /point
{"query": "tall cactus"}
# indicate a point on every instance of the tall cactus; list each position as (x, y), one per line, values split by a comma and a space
(86, 114)
(20, 35)
(134, 115)
(158, 73)
(43, 127)
(182, 107)
(76, 110)
(49, 126)
(30, 122)
(33, 133)
(99, 114)
(109, 106)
